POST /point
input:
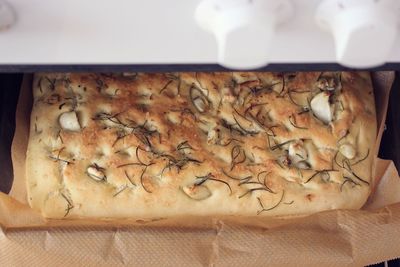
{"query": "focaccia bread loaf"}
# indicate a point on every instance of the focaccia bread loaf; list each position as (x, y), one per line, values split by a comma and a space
(144, 145)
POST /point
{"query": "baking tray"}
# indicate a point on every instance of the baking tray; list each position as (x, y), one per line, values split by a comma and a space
(9, 91)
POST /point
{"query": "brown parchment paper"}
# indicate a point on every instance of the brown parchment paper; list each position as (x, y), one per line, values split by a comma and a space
(332, 238)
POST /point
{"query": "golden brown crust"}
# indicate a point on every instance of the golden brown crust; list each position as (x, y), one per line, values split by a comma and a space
(202, 144)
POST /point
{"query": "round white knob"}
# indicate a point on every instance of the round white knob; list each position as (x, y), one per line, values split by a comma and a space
(7, 15)
(364, 30)
(243, 28)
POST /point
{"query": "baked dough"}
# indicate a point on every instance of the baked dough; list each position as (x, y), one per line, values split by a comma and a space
(151, 145)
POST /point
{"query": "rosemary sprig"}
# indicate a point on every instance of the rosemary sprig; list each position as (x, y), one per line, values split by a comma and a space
(244, 100)
(265, 177)
(335, 160)
(326, 172)
(120, 190)
(320, 76)
(230, 127)
(69, 207)
(293, 123)
(180, 163)
(257, 91)
(248, 109)
(362, 159)
(142, 134)
(184, 145)
(59, 136)
(103, 116)
(348, 180)
(247, 178)
(244, 129)
(174, 77)
(289, 203)
(280, 164)
(61, 105)
(58, 157)
(139, 131)
(141, 179)
(129, 178)
(280, 145)
(270, 131)
(211, 177)
(53, 99)
(263, 184)
(254, 189)
(242, 116)
(259, 121)
(137, 156)
(348, 161)
(123, 150)
(230, 140)
(263, 209)
(165, 86)
(347, 166)
(247, 181)
(120, 135)
(238, 156)
(289, 93)
(177, 163)
(305, 110)
(134, 164)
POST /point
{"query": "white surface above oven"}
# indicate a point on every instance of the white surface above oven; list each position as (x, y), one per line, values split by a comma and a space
(169, 32)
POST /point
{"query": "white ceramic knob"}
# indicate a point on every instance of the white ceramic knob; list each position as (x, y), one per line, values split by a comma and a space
(364, 30)
(7, 15)
(243, 29)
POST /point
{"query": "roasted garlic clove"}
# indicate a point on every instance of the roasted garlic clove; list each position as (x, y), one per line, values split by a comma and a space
(303, 165)
(227, 96)
(200, 104)
(321, 107)
(199, 100)
(96, 173)
(197, 192)
(347, 151)
(69, 121)
(129, 74)
(325, 177)
(212, 136)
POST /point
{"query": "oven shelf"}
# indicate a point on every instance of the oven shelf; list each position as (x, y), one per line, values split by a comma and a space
(180, 67)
